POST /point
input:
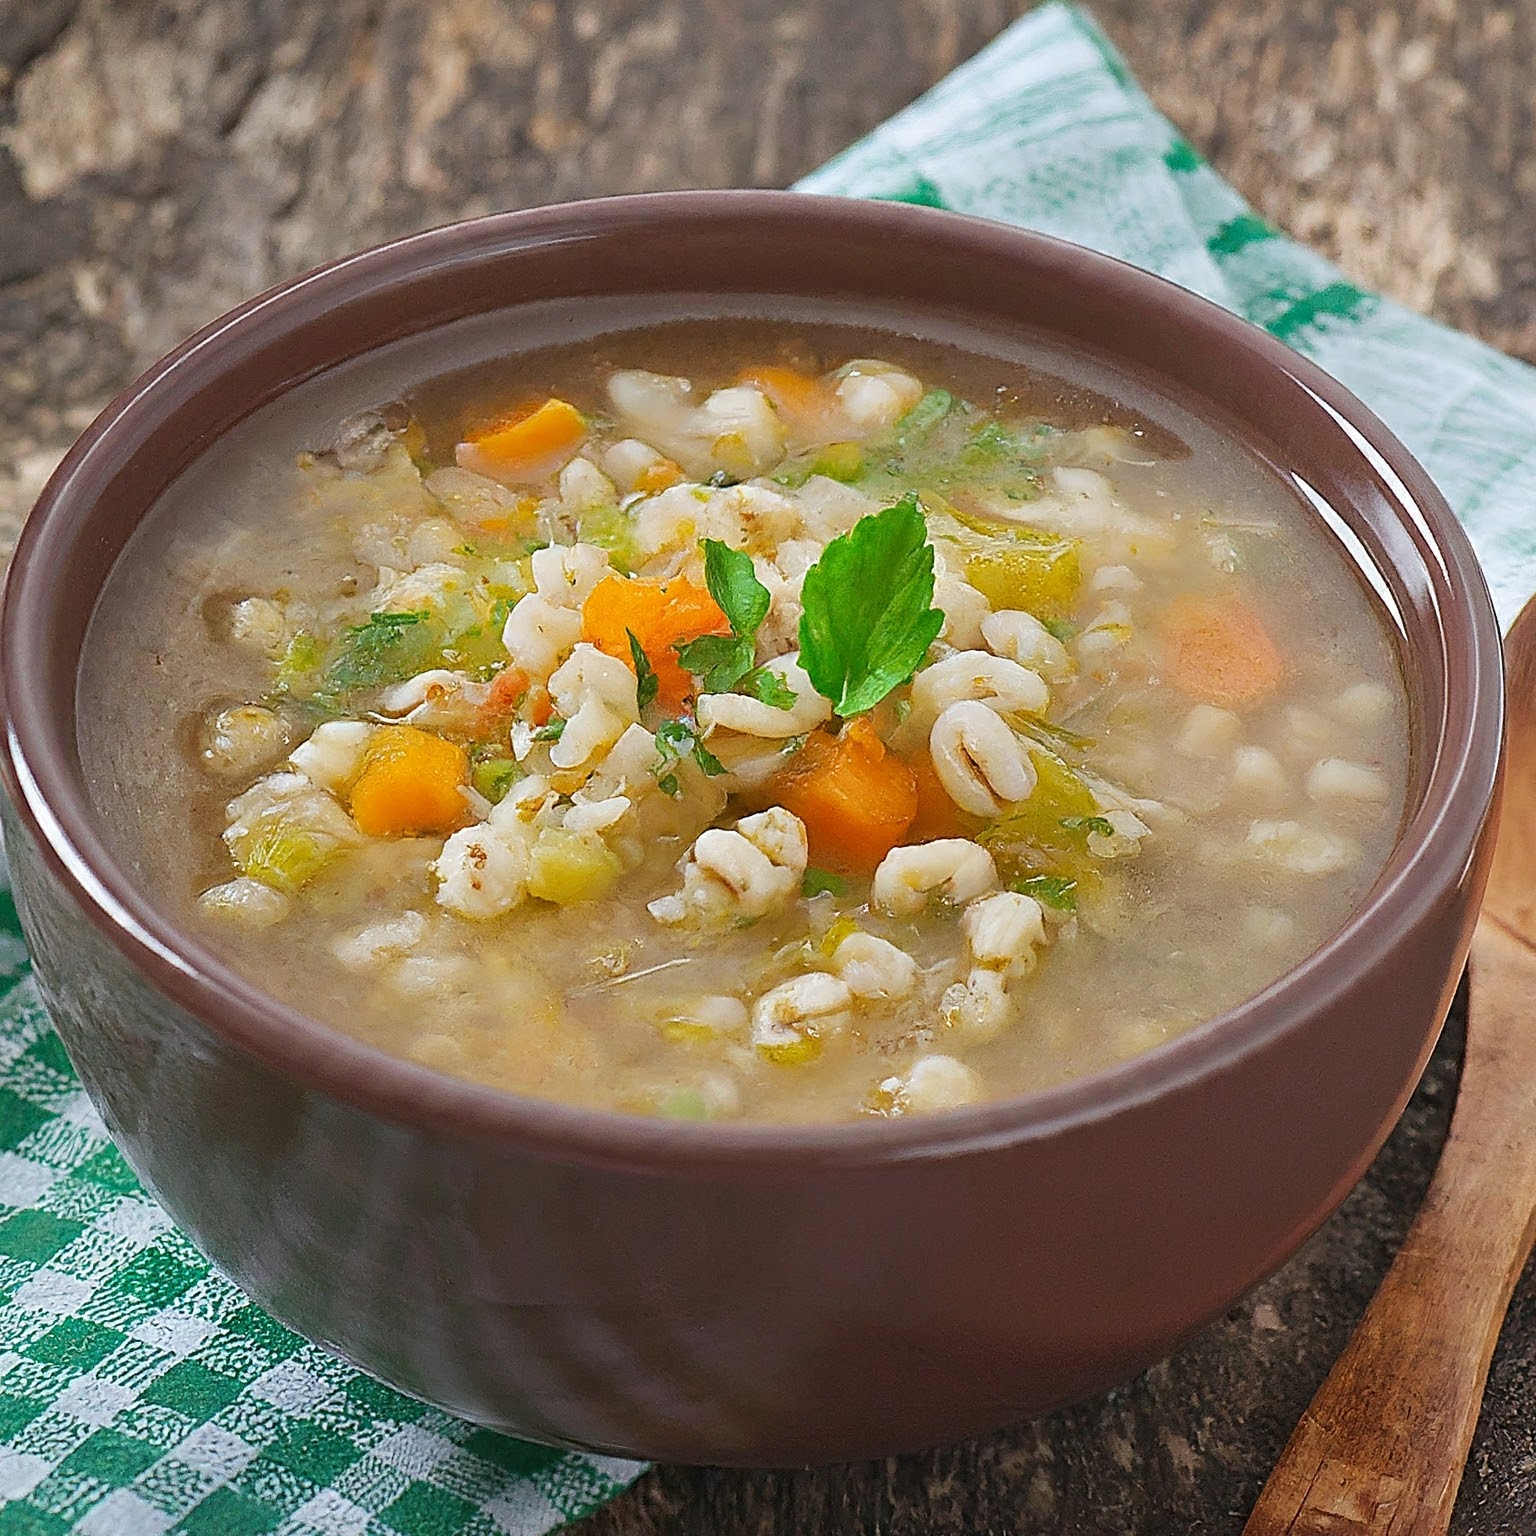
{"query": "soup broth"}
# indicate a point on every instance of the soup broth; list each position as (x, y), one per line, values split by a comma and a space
(744, 718)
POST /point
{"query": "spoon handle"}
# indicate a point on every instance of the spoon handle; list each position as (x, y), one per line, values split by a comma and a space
(1382, 1446)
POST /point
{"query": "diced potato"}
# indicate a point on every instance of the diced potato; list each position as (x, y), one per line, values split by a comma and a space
(566, 867)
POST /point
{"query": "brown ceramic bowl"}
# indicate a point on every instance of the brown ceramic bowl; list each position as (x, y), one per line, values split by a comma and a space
(747, 1294)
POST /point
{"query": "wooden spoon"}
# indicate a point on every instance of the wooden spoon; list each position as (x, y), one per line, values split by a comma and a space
(1382, 1446)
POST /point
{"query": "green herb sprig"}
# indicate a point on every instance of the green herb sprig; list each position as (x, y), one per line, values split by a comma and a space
(720, 662)
(867, 618)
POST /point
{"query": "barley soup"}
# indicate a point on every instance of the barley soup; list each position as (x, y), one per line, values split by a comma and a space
(754, 720)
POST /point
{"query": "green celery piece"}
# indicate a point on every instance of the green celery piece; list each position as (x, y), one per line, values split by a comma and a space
(1044, 834)
(1042, 575)
(285, 857)
(388, 648)
(683, 1104)
(924, 417)
(947, 442)
(494, 776)
(300, 662)
(843, 462)
(988, 444)
(613, 529)
(867, 619)
(839, 461)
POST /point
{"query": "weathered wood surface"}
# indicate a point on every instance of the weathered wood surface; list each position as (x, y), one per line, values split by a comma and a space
(162, 159)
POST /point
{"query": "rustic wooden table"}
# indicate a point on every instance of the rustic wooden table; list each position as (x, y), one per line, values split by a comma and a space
(162, 159)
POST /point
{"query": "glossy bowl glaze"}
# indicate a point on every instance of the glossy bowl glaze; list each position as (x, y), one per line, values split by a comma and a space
(747, 1294)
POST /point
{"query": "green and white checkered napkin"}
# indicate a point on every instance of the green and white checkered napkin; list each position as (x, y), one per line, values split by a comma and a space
(140, 1392)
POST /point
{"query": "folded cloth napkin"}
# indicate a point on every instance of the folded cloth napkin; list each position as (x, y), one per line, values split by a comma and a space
(140, 1392)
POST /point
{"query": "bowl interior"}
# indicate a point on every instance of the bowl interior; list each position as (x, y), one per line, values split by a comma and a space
(563, 270)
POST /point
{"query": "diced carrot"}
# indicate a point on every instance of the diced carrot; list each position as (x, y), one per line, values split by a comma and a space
(1217, 649)
(409, 784)
(660, 615)
(507, 691)
(528, 447)
(800, 396)
(517, 522)
(857, 799)
(657, 476)
(937, 815)
(538, 706)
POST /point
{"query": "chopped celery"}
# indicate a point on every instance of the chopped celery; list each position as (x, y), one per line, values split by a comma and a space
(943, 441)
(300, 662)
(988, 443)
(1050, 735)
(921, 421)
(613, 529)
(473, 639)
(1023, 568)
(836, 461)
(839, 461)
(281, 855)
(1086, 825)
(792, 1053)
(684, 1104)
(567, 868)
(387, 648)
(682, 1031)
(1038, 836)
(838, 930)
(494, 776)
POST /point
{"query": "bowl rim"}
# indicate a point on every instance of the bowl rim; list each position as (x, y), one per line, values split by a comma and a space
(1433, 851)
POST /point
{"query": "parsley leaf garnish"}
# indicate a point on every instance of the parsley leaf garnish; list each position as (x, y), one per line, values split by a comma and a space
(733, 583)
(768, 687)
(867, 621)
(646, 682)
(822, 882)
(711, 765)
(675, 740)
(1049, 890)
(552, 730)
(721, 661)
(718, 661)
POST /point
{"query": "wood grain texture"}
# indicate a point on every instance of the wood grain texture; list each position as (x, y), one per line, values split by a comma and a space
(161, 159)
(1381, 1447)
